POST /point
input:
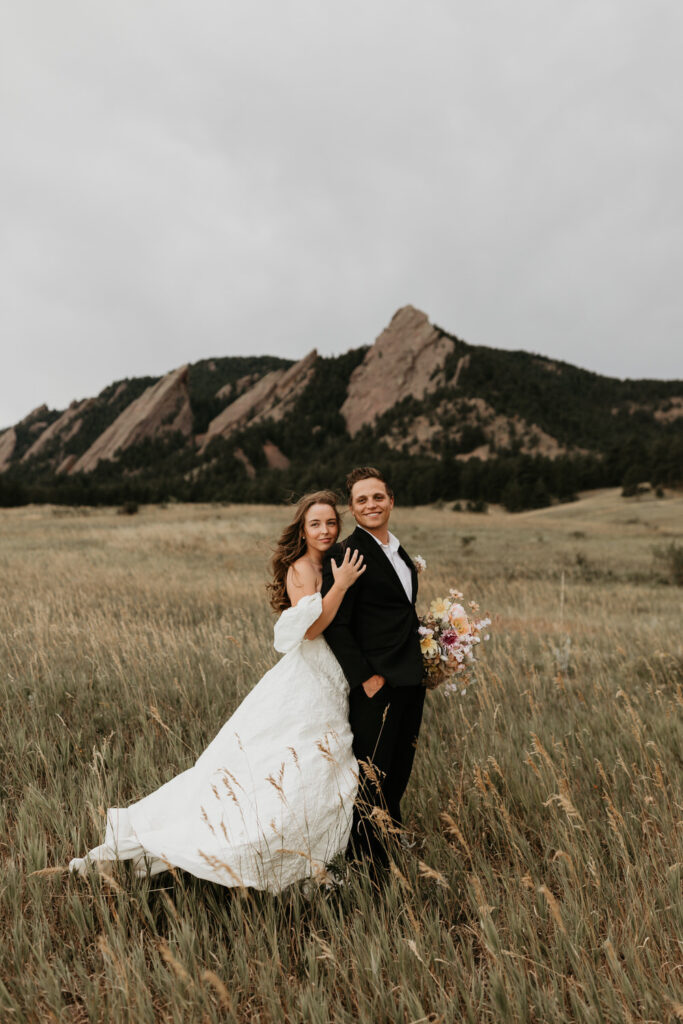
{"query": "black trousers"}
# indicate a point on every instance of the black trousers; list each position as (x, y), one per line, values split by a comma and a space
(385, 729)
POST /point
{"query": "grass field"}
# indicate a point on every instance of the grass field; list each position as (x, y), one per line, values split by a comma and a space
(547, 802)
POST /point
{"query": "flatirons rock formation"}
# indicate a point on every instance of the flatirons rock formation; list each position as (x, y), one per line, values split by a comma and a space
(448, 418)
(274, 457)
(232, 391)
(270, 398)
(35, 423)
(404, 361)
(161, 409)
(8, 440)
(63, 428)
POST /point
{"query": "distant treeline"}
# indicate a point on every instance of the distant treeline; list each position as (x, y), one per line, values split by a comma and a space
(515, 480)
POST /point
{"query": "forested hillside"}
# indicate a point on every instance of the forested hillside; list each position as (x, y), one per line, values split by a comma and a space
(445, 419)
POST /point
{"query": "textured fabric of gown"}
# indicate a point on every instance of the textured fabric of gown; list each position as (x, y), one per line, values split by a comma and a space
(270, 800)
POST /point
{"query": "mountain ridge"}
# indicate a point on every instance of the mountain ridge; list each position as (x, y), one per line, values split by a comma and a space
(447, 418)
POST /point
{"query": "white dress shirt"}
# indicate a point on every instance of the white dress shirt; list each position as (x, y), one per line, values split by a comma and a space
(402, 570)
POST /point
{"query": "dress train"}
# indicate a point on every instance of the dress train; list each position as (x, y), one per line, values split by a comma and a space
(270, 800)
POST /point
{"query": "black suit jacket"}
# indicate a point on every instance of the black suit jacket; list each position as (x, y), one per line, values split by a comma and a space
(375, 629)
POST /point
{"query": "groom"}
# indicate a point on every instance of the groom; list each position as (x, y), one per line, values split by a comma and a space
(374, 637)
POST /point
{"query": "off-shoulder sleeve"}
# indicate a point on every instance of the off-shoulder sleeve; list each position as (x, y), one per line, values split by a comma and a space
(291, 627)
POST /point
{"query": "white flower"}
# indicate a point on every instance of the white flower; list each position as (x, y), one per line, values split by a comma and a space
(420, 563)
(457, 617)
(439, 609)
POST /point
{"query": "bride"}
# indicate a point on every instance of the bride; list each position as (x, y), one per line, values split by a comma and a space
(270, 800)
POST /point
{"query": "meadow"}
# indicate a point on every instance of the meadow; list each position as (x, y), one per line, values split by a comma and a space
(546, 802)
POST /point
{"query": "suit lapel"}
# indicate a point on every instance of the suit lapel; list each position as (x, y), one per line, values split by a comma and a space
(413, 571)
(370, 548)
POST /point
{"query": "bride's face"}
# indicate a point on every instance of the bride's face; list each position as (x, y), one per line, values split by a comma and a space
(320, 528)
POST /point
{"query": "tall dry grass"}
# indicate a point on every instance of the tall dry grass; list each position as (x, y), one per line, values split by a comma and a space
(546, 880)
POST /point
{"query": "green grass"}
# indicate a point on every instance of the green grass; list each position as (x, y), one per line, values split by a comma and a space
(546, 880)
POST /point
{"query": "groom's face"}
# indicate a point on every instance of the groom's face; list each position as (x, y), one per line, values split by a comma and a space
(370, 504)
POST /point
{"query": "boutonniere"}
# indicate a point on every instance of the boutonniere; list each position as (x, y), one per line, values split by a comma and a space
(420, 563)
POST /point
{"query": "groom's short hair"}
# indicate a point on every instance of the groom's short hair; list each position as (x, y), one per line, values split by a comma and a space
(366, 473)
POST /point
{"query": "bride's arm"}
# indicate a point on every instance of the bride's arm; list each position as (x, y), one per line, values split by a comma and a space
(302, 581)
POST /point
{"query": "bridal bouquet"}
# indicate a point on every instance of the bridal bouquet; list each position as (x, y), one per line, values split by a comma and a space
(448, 636)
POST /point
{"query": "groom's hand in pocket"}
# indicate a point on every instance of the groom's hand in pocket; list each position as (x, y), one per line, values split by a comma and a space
(373, 685)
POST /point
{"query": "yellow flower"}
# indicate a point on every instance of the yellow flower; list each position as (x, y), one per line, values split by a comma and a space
(429, 646)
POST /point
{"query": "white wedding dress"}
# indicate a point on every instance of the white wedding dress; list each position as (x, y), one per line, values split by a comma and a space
(270, 800)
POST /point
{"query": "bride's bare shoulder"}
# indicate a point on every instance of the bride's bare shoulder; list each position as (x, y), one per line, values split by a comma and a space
(301, 579)
(301, 570)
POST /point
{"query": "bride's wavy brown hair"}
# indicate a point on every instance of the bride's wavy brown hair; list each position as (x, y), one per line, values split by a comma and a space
(292, 545)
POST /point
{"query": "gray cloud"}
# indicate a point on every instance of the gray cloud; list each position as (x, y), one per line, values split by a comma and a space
(184, 179)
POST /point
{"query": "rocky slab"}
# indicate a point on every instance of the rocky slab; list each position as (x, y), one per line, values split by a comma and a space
(270, 398)
(162, 409)
(401, 363)
(64, 428)
(7, 442)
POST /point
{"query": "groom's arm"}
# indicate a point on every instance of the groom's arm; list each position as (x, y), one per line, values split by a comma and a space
(339, 633)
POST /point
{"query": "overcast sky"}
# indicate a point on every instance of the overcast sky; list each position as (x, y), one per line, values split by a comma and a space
(187, 178)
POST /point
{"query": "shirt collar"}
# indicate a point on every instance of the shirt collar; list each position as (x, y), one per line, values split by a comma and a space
(393, 545)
